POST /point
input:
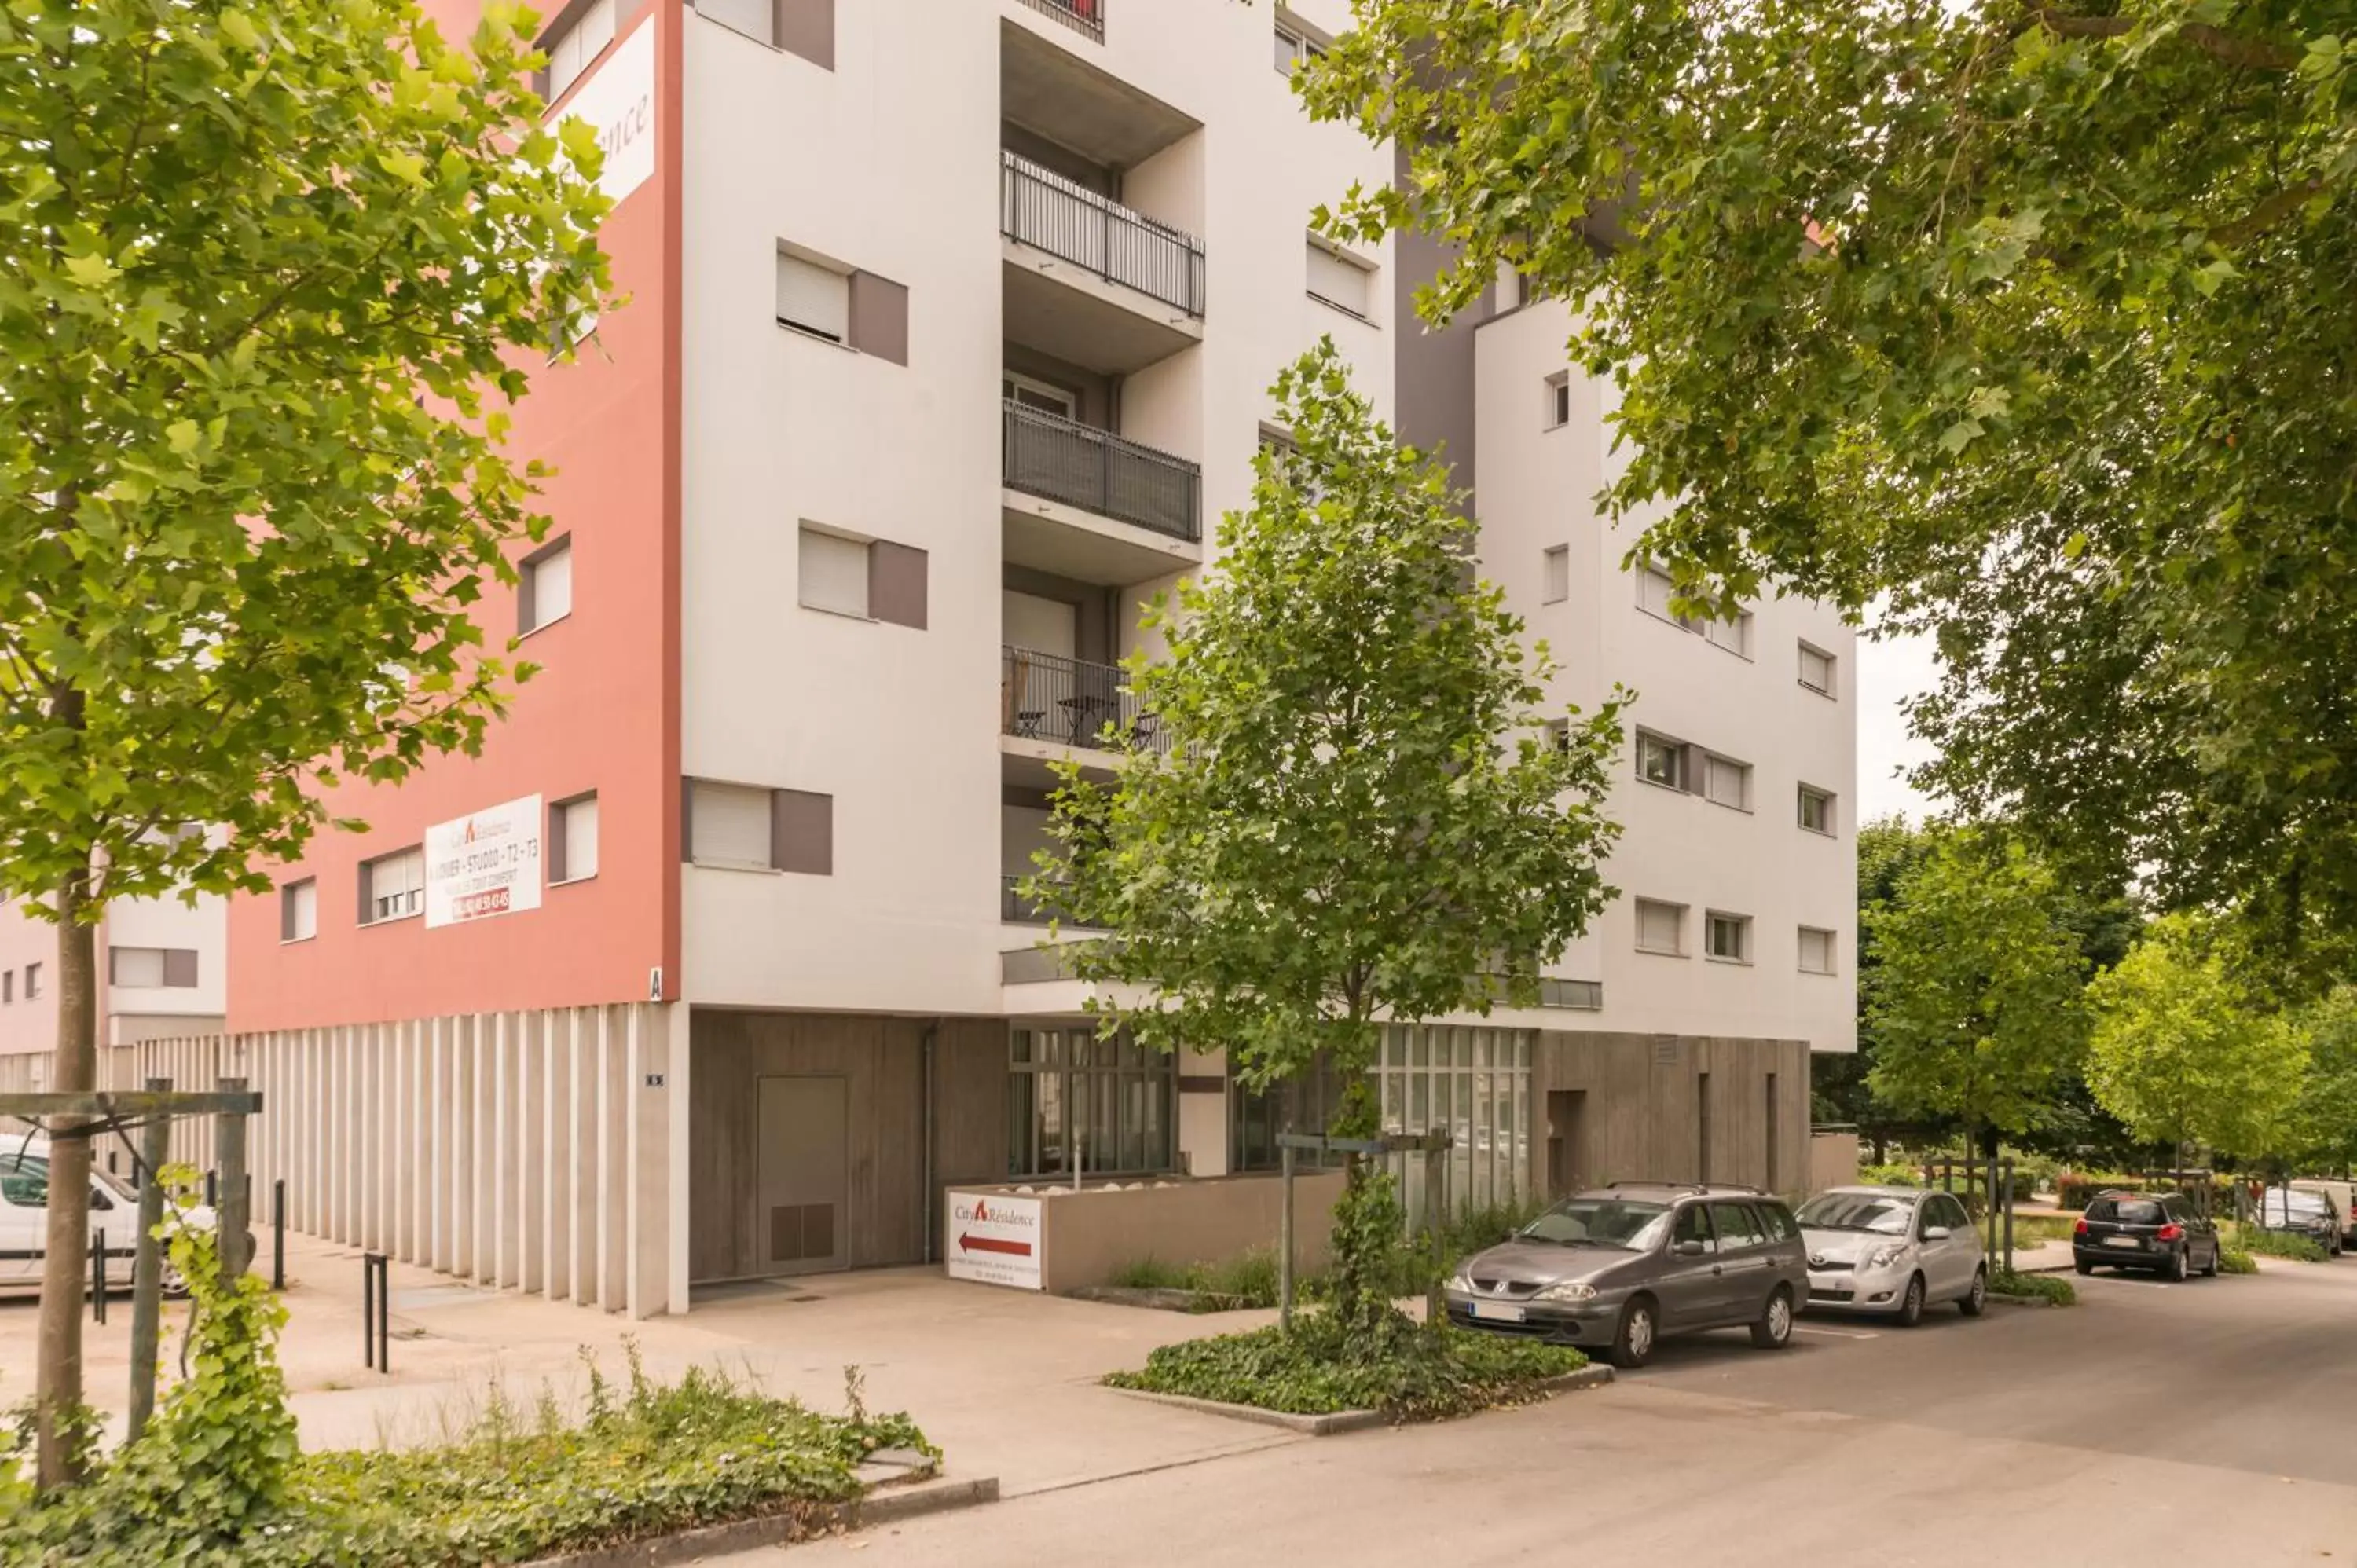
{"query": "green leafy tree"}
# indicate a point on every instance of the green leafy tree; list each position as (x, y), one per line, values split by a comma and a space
(1975, 1002)
(2325, 1115)
(1361, 817)
(2185, 1052)
(2028, 315)
(264, 275)
(1888, 849)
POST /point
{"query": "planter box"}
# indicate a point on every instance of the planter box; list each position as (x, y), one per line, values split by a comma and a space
(1032, 1236)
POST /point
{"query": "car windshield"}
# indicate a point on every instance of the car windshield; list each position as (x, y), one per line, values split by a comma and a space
(1876, 1212)
(2127, 1210)
(1622, 1222)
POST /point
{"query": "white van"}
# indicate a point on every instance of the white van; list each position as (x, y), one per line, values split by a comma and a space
(25, 1214)
(2341, 1194)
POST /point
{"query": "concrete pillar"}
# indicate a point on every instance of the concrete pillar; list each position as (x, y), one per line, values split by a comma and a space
(500, 1149)
(530, 1134)
(588, 1028)
(678, 1064)
(556, 1145)
(613, 1148)
(647, 1218)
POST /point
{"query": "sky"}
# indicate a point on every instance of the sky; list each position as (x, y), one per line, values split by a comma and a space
(1887, 672)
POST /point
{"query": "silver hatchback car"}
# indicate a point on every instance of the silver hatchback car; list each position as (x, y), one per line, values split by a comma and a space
(1615, 1269)
(1891, 1249)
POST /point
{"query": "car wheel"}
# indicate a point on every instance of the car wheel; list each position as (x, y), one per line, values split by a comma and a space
(1911, 1305)
(2083, 1266)
(2179, 1269)
(2210, 1269)
(1975, 1301)
(1774, 1329)
(1632, 1342)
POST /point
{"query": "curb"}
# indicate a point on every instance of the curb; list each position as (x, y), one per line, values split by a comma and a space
(2019, 1300)
(1335, 1422)
(886, 1505)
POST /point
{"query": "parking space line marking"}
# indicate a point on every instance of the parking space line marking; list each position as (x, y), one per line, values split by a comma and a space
(1839, 1333)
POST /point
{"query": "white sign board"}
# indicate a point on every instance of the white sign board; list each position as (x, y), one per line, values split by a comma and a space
(484, 864)
(620, 100)
(995, 1240)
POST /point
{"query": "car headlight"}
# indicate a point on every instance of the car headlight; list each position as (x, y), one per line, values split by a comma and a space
(1883, 1257)
(1568, 1290)
(1461, 1281)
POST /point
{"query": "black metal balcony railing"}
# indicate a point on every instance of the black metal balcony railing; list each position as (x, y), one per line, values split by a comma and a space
(1046, 696)
(1081, 16)
(1063, 460)
(1045, 210)
(1015, 909)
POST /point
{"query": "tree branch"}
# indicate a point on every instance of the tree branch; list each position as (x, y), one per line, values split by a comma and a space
(2266, 214)
(2253, 54)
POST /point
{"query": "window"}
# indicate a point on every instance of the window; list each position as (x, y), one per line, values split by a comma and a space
(1302, 1103)
(1027, 392)
(1728, 938)
(1653, 590)
(1816, 810)
(572, 840)
(873, 579)
(1735, 636)
(752, 829)
(545, 595)
(814, 298)
(1558, 400)
(756, 19)
(298, 910)
(7, 986)
(1694, 1223)
(833, 574)
(1559, 734)
(24, 1180)
(142, 968)
(1295, 43)
(1558, 574)
(1728, 782)
(1078, 1103)
(1662, 762)
(1777, 1219)
(1947, 1211)
(1338, 280)
(729, 826)
(1816, 951)
(1737, 1225)
(32, 982)
(576, 48)
(393, 886)
(1661, 927)
(1817, 670)
(1484, 1074)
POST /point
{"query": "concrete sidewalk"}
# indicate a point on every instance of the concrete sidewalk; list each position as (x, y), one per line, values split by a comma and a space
(1004, 1380)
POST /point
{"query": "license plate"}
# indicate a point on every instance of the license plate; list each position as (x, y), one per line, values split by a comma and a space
(1501, 1311)
(2122, 1242)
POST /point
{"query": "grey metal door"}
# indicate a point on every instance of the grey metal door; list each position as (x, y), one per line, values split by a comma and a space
(1692, 1284)
(804, 1182)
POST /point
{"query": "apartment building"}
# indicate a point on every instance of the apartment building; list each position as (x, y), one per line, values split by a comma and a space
(163, 973)
(950, 331)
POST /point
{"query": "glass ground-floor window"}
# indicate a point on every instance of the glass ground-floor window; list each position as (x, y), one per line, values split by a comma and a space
(1102, 1107)
(1475, 1085)
(1304, 1104)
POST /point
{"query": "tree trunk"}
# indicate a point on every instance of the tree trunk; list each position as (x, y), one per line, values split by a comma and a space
(58, 1390)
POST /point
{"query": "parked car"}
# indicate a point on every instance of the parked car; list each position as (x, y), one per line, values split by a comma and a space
(2341, 1194)
(1892, 1249)
(1616, 1268)
(2160, 1231)
(25, 1216)
(2308, 1214)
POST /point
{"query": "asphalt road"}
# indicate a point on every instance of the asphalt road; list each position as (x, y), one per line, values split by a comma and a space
(2207, 1423)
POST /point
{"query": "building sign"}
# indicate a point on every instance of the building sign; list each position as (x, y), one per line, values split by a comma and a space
(484, 864)
(620, 100)
(994, 1239)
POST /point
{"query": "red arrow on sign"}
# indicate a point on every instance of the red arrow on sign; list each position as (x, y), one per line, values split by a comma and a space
(991, 1244)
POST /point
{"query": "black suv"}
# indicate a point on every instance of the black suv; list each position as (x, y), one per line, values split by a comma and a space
(2160, 1231)
(1616, 1268)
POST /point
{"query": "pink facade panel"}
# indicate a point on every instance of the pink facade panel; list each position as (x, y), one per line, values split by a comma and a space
(601, 715)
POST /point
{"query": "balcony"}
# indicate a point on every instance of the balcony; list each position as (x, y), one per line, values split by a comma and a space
(1060, 701)
(1015, 909)
(1084, 17)
(1090, 281)
(1094, 470)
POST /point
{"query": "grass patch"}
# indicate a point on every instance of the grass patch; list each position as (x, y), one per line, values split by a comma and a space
(1248, 1281)
(2278, 1244)
(1417, 1375)
(2233, 1259)
(2045, 1287)
(644, 1460)
(2030, 1230)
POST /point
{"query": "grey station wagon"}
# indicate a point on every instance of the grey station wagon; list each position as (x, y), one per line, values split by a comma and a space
(1615, 1269)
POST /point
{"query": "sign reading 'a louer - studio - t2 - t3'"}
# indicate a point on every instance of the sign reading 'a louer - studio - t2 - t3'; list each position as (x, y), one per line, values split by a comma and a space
(486, 862)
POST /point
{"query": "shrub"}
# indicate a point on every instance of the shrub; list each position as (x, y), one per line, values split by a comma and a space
(1248, 1281)
(1890, 1176)
(217, 1482)
(2278, 1244)
(2233, 1259)
(1413, 1374)
(2045, 1287)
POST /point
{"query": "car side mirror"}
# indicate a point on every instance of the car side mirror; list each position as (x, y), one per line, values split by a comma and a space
(1936, 1232)
(1690, 1248)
